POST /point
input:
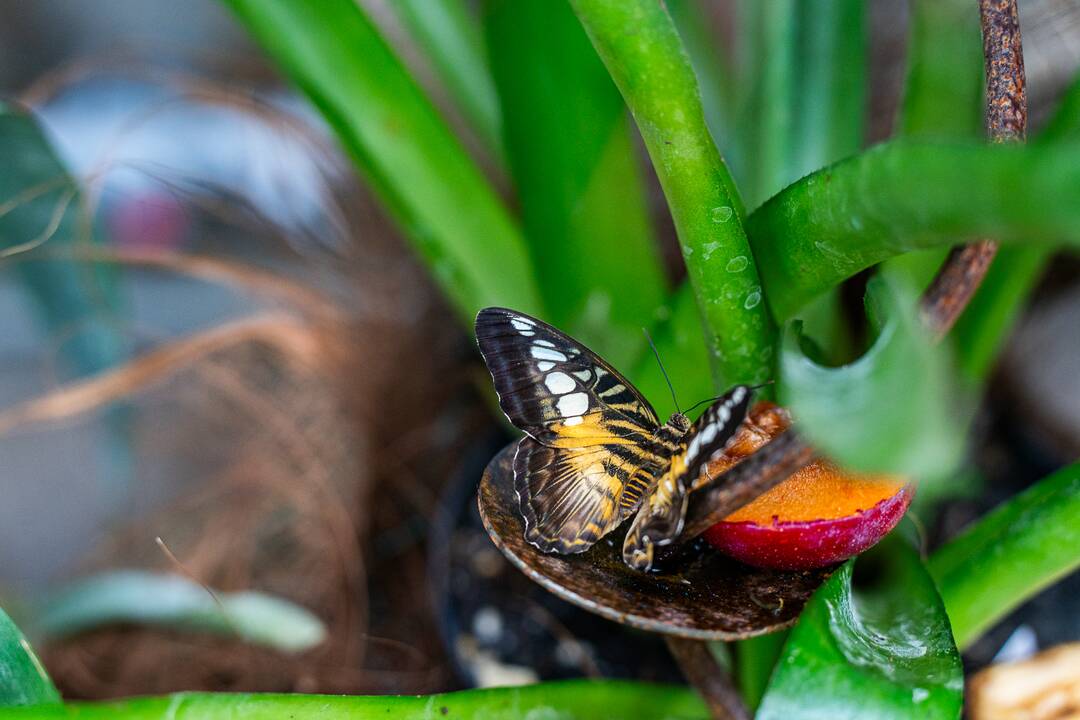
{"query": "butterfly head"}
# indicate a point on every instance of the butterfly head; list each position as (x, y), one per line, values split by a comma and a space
(679, 422)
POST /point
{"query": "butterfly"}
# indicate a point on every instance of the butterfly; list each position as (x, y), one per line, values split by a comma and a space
(594, 451)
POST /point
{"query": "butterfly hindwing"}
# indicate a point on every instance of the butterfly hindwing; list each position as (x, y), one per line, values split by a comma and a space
(660, 519)
(585, 464)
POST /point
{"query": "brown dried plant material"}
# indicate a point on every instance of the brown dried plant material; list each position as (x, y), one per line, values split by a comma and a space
(1046, 687)
(705, 596)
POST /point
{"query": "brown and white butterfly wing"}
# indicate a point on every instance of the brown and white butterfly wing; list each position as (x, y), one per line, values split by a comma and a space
(583, 467)
(661, 517)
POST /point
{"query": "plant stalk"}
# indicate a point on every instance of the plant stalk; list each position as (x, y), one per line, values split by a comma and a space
(1006, 119)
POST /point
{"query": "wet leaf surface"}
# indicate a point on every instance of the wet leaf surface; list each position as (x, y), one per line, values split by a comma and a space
(696, 594)
(883, 651)
(23, 680)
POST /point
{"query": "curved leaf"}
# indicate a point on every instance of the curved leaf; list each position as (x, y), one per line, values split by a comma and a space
(23, 680)
(420, 170)
(573, 160)
(128, 596)
(890, 410)
(450, 37)
(567, 700)
(907, 195)
(1010, 554)
(883, 652)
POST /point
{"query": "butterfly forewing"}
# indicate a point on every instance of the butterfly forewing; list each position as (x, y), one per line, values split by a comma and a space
(586, 463)
(660, 519)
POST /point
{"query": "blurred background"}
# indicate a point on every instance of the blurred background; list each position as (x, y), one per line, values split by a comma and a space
(248, 363)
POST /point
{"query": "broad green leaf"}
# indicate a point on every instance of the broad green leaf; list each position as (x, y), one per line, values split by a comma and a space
(23, 680)
(143, 598)
(40, 209)
(638, 43)
(907, 195)
(884, 651)
(421, 172)
(573, 161)
(567, 700)
(1002, 559)
(450, 37)
(890, 410)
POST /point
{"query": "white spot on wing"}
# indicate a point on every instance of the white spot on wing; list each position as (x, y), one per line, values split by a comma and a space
(583, 375)
(521, 324)
(544, 365)
(573, 404)
(544, 343)
(709, 433)
(543, 353)
(559, 383)
(573, 421)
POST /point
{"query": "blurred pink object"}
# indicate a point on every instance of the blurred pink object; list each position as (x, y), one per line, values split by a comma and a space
(148, 221)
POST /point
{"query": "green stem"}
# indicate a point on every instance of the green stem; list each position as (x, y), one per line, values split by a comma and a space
(1010, 554)
(638, 43)
(580, 699)
(903, 196)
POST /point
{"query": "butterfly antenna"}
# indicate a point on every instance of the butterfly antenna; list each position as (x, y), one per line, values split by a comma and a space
(713, 399)
(662, 370)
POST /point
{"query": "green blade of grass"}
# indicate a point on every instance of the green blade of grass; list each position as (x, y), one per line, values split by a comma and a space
(171, 601)
(767, 113)
(943, 85)
(641, 49)
(573, 160)
(1006, 557)
(23, 680)
(907, 195)
(451, 39)
(442, 201)
(879, 652)
(716, 76)
(569, 700)
(890, 411)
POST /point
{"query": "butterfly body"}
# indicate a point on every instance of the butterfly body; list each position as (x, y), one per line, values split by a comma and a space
(595, 451)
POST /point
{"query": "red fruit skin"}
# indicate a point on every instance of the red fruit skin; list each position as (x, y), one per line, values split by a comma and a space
(809, 544)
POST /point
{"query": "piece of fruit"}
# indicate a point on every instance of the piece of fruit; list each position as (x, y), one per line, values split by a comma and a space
(818, 516)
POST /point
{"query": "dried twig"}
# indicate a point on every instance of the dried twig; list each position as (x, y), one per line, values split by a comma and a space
(711, 681)
(1006, 119)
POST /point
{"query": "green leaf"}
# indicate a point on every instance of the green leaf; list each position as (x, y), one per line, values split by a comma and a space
(642, 51)
(419, 169)
(943, 87)
(40, 207)
(574, 163)
(890, 410)
(567, 700)
(907, 195)
(1027, 543)
(23, 680)
(680, 344)
(171, 601)
(450, 37)
(713, 67)
(880, 652)
(766, 114)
